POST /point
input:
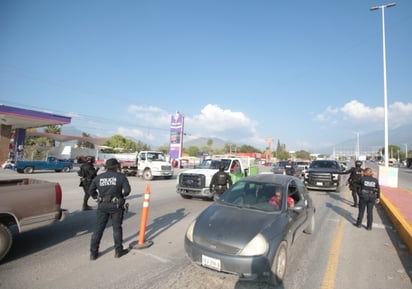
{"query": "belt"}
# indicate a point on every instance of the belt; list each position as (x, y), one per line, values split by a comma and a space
(108, 199)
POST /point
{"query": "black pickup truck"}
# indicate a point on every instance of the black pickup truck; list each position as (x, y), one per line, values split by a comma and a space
(323, 175)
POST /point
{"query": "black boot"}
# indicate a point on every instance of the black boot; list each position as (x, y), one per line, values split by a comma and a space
(121, 253)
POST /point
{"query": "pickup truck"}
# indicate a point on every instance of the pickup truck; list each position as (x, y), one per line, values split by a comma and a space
(51, 163)
(27, 204)
(195, 182)
(324, 175)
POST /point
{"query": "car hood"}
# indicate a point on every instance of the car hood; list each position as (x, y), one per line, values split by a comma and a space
(231, 228)
(322, 170)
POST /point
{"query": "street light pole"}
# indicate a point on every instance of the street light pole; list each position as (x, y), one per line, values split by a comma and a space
(382, 7)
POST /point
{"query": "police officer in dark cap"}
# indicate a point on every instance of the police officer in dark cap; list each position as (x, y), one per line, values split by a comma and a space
(354, 177)
(220, 182)
(87, 173)
(109, 189)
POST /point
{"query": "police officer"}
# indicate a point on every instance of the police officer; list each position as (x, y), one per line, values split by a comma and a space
(354, 177)
(220, 182)
(110, 189)
(369, 195)
(87, 173)
(290, 168)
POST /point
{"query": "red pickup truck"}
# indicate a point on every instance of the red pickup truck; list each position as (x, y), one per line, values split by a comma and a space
(27, 204)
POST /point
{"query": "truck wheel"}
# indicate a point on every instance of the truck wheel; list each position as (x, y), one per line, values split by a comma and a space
(6, 239)
(147, 175)
(28, 170)
(186, 196)
(66, 169)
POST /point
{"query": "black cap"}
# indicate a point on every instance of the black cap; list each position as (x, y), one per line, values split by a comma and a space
(112, 163)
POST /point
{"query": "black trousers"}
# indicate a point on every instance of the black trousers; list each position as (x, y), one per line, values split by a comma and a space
(103, 213)
(366, 201)
(355, 193)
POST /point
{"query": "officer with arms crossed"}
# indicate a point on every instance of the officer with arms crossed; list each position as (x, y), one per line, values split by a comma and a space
(220, 182)
(354, 177)
(369, 195)
(87, 173)
(110, 189)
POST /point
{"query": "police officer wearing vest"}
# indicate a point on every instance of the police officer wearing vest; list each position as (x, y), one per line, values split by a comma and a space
(87, 173)
(354, 177)
(369, 195)
(109, 189)
(220, 182)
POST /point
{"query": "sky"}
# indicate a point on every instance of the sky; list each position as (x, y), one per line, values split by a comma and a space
(307, 74)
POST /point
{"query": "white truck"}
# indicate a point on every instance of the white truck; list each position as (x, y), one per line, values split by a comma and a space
(195, 182)
(149, 164)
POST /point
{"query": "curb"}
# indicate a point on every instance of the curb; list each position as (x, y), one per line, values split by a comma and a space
(404, 229)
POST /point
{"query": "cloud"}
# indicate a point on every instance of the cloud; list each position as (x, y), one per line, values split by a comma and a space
(153, 125)
(360, 114)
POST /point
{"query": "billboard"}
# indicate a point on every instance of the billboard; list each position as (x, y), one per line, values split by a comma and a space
(176, 135)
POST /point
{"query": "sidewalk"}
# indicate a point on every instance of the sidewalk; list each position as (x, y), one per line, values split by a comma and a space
(397, 203)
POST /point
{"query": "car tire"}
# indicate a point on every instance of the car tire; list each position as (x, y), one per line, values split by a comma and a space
(147, 175)
(6, 239)
(311, 227)
(66, 169)
(279, 263)
(28, 170)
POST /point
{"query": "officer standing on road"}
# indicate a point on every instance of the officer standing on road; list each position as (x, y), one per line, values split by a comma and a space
(87, 173)
(220, 182)
(354, 177)
(369, 195)
(289, 168)
(110, 189)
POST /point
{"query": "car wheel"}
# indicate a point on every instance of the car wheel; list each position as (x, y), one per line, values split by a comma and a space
(311, 227)
(6, 239)
(147, 175)
(66, 169)
(28, 170)
(278, 269)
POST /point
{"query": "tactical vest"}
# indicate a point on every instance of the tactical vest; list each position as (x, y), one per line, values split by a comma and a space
(221, 179)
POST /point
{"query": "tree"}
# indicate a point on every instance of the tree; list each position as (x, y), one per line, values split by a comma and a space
(53, 129)
(303, 155)
(121, 144)
(85, 144)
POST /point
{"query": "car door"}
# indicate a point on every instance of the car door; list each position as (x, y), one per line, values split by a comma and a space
(297, 214)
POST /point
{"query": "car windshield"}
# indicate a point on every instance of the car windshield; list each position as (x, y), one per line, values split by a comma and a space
(324, 164)
(259, 196)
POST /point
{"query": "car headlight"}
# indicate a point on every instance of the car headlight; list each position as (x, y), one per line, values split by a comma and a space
(257, 246)
(335, 177)
(189, 232)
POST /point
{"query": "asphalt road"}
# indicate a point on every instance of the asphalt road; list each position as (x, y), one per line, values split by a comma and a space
(338, 255)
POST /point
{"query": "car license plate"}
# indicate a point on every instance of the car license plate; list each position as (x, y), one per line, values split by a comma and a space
(211, 262)
(319, 184)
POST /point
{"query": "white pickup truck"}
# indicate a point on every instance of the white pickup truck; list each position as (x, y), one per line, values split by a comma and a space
(195, 182)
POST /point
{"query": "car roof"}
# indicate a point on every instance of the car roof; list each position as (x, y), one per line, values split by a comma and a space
(271, 178)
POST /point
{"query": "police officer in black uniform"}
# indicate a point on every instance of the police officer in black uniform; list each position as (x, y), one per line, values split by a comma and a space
(290, 168)
(87, 173)
(110, 189)
(220, 182)
(369, 195)
(354, 177)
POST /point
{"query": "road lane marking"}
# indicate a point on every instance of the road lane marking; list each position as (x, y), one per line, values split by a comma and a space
(334, 252)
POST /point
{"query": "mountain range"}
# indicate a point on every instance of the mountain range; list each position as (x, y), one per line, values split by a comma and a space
(401, 136)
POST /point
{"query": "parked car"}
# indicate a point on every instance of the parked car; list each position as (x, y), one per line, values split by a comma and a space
(280, 168)
(244, 234)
